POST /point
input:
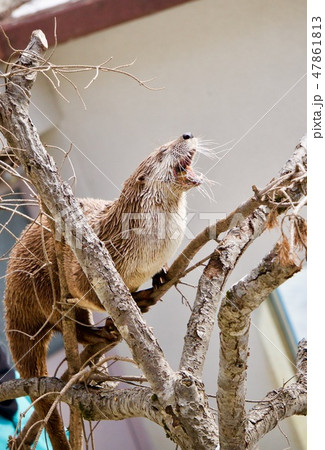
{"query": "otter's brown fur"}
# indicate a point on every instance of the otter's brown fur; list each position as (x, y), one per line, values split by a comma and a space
(139, 245)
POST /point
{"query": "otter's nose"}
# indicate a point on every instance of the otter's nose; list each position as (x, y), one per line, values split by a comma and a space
(187, 136)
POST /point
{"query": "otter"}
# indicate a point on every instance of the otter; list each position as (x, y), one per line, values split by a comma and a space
(141, 229)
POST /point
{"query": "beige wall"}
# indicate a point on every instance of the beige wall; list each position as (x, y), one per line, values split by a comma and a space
(229, 70)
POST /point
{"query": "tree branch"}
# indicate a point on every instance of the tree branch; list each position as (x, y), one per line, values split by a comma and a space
(279, 403)
(70, 345)
(234, 322)
(109, 405)
(211, 284)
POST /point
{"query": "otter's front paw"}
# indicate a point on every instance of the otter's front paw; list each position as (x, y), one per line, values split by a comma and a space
(160, 277)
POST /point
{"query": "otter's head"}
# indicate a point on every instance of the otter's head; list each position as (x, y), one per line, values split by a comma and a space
(167, 169)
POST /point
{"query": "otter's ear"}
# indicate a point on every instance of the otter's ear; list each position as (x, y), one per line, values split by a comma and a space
(141, 178)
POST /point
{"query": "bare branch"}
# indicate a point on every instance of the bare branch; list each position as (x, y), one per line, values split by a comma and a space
(279, 403)
(70, 346)
(118, 405)
(107, 406)
(211, 286)
(234, 322)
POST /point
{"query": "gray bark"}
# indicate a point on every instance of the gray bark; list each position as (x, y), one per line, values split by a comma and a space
(234, 321)
(280, 403)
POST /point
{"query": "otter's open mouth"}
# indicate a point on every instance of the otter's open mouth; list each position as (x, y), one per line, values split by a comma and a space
(184, 171)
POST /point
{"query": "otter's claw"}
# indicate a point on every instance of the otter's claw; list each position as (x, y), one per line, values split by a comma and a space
(160, 277)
